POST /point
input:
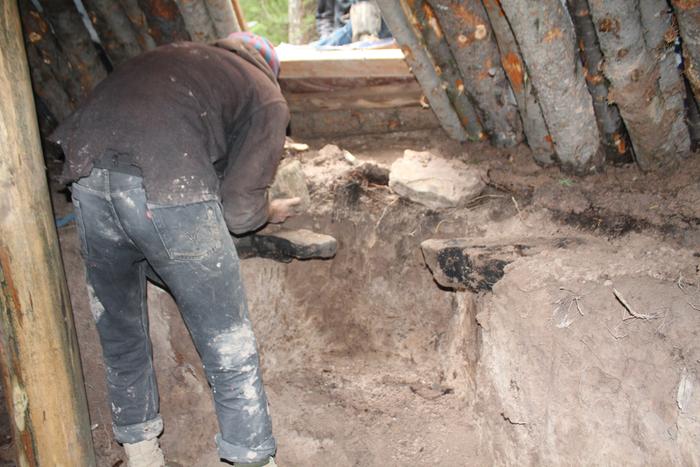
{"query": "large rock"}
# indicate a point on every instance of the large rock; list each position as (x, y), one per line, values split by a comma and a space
(433, 181)
(290, 183)
(475, 264)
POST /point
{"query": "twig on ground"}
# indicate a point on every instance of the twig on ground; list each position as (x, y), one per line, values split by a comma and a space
(629, 308)
(386, 208)
(576, 298)
(475, 201)
(615, 335)
(520, 213)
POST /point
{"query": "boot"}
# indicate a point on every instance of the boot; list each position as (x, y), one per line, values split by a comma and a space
(144, 454)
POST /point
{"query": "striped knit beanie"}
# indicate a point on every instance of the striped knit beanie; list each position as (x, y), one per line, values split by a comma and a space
(262, 45)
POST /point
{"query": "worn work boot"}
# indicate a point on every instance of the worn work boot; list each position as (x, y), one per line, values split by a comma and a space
(144, 454)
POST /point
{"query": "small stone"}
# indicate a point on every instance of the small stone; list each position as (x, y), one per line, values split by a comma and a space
(433, 181)
(349, 158)
(296, 147)
(328, 152)
(290, 183)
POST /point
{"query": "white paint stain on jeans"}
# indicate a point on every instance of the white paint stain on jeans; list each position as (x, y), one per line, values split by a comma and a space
(95, 304)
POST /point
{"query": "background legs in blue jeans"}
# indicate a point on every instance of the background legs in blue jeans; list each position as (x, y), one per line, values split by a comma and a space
(191, 250)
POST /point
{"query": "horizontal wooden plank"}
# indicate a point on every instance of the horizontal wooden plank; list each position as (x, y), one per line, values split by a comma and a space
(359, 122)
(302, 85)
(373, 97)
(307, 62)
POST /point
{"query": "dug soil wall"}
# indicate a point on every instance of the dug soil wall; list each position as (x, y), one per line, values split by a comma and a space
(583, 353)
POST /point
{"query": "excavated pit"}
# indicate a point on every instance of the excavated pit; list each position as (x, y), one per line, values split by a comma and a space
(368, 361)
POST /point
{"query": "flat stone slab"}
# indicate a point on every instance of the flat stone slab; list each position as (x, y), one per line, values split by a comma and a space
(284, 245)
(435, 182)
(475, 265)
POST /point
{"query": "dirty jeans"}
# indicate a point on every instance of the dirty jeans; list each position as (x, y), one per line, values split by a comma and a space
(190, 248)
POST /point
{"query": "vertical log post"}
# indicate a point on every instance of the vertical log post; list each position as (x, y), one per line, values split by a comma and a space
(295, 13)
(40, 362)
(239, 15)
(660, 36)
(634, 72)
(613, 132)
(423, 68)
(52, 60)
(469, 35)
(139, 23)
(165, 23)
(534, 126)
(75, 41)
(42, 52)
(119, 38)
(427, 28)
(197, 20)
(546, 37)
(223, 16)
(688, 15)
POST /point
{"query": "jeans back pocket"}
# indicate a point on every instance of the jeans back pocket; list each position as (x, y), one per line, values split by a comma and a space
(189, 231)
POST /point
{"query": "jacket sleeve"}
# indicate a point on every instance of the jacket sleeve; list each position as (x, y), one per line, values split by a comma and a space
(252, 163)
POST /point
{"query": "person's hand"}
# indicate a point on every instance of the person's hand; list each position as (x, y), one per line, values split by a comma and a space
(281, 209)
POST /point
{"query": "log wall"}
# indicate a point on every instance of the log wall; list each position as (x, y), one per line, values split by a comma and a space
(599, 80)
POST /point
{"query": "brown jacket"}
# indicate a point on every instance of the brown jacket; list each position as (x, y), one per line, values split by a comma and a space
(198, 122)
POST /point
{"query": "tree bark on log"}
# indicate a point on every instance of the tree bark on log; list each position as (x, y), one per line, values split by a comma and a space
(165, 23)
(693, 117)
(534, 126)
(223, 17)
(39, 357)
(48, 64)
(47, 87)
(660, 36)
(197, 20)
(470, 38)
(424, 69)
(118, 36)
(546, 37)
(295, 13)
(422, 18)
(138, 21)
(76, 43)
(634, 74)
(688, 16)
(615, 139)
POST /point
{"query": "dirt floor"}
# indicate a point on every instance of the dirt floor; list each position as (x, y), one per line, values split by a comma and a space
(368, 362)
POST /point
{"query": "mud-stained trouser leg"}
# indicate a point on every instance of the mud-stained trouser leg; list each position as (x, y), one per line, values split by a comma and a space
(192, 252)
(117, 291)
(202, 270)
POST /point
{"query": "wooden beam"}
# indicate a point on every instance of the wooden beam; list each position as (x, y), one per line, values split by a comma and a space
(349, 122)
(239, 15)
(39, 356)
(298, 62)
(375, 97)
